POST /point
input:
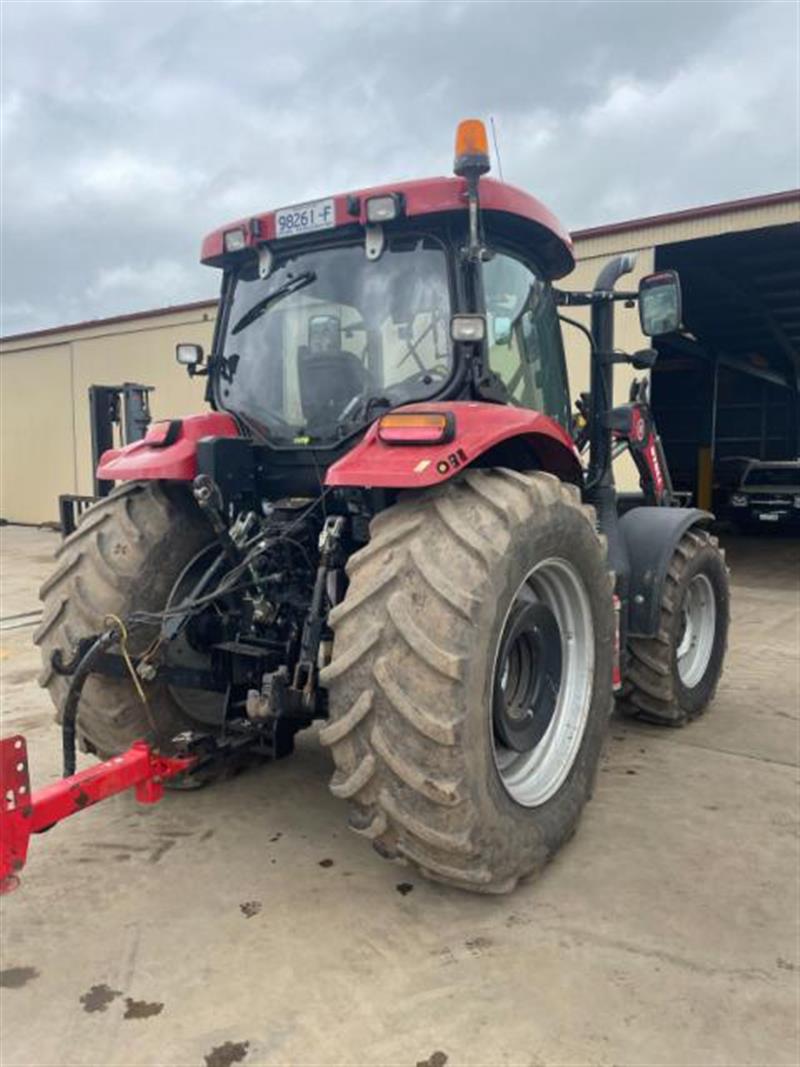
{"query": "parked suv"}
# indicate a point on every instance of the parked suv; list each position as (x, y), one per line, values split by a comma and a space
(758, 493)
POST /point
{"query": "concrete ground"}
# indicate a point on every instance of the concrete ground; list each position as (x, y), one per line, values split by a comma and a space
(244, 923)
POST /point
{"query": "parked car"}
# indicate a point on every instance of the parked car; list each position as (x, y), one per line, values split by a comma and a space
(755, 493)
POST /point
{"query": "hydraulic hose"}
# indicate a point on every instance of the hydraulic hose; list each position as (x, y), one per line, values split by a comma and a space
(70, 716)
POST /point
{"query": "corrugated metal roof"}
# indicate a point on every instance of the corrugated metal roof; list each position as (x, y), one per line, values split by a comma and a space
(133, 316)
(724, 207)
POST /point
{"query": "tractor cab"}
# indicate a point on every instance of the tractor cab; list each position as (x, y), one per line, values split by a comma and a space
(335, 311)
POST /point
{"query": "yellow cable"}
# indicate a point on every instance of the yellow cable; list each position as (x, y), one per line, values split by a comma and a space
(123, 644)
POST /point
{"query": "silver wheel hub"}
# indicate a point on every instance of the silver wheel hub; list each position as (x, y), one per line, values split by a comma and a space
(542, 682)
(698, 626)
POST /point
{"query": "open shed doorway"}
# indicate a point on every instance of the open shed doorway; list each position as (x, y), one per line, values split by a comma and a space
(729, 385)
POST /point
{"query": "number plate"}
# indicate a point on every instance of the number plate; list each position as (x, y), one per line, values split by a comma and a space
(769, 516)
(305, 218)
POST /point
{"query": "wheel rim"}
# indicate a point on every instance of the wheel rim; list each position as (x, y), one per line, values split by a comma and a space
(542, 682)
(698, 626)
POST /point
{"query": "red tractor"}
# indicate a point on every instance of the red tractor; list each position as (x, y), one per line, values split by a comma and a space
(384, 523)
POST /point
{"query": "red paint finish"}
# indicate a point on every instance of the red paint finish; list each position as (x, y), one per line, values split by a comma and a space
(478, 427)
(423, 197)
(23, 813)
(651, 456)
(144, 460)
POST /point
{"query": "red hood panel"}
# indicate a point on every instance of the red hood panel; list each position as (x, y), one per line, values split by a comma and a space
(148, 459)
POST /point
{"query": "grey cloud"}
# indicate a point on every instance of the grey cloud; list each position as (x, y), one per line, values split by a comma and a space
(131, 129)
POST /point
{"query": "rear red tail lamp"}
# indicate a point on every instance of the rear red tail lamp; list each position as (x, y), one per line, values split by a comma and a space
(417, 428)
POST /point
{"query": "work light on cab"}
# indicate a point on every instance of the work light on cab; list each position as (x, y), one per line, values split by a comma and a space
(235, 240)
(468, 327)
(417, 428)
(383, 208)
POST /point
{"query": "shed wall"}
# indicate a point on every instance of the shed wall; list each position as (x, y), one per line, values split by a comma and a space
(45, 438)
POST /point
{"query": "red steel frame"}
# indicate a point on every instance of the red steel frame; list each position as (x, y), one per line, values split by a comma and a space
(23, 813)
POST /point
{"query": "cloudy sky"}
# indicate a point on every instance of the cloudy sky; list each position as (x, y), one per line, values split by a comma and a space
(130, 129)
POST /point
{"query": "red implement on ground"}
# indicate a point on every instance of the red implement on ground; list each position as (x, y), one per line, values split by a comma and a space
(24, 813)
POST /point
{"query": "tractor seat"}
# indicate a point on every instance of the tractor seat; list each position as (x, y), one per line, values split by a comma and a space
(328, 382)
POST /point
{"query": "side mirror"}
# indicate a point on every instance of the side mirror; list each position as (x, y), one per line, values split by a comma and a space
(660, 303)
(190, 356)
(644, 359)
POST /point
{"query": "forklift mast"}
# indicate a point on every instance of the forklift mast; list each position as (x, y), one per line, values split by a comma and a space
(124, 408)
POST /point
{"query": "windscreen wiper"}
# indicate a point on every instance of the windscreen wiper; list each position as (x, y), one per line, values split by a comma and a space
(258, 309)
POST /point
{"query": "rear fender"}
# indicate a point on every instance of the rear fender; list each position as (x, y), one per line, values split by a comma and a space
(168, 450)
(652, 535)
(484, 435)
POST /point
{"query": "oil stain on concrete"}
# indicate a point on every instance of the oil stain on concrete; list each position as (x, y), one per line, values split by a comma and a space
(226, 1055)
(141, 1009)
(98, 998)
(17, 977)
(436, 1059)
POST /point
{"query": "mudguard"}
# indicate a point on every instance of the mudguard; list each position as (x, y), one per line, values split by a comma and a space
(651, 535)
(168, 450)
(479, 428)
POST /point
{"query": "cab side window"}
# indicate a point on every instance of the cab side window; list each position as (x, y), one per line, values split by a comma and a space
(524, 339)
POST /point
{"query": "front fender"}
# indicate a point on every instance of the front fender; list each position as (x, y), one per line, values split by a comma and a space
(168, 450)
(480, 428)
(652, 535)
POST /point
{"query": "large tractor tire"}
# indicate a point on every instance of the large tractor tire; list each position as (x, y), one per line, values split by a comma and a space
(470, 683)
(125, 556)
(672, 677)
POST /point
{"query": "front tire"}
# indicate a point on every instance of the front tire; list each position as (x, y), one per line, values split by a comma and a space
(673, 676)
(422, 712)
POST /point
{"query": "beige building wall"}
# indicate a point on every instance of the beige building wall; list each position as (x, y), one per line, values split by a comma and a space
(37, 433)
(45, 439)
(627, 336)
(45, 446)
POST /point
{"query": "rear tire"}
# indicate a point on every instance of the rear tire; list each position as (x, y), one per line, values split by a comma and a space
(125, 556)
(672, 677)
(412, 680)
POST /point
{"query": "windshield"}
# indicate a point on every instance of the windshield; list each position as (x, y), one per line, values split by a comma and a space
(330, 338)
(786, 476)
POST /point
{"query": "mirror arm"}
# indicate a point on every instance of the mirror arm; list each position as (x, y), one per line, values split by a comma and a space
(566, 298)
(643, 359)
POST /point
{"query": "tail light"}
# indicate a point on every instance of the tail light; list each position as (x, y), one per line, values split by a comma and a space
(417, 427)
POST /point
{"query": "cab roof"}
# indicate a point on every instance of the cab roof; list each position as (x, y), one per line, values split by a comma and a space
(426, 196)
